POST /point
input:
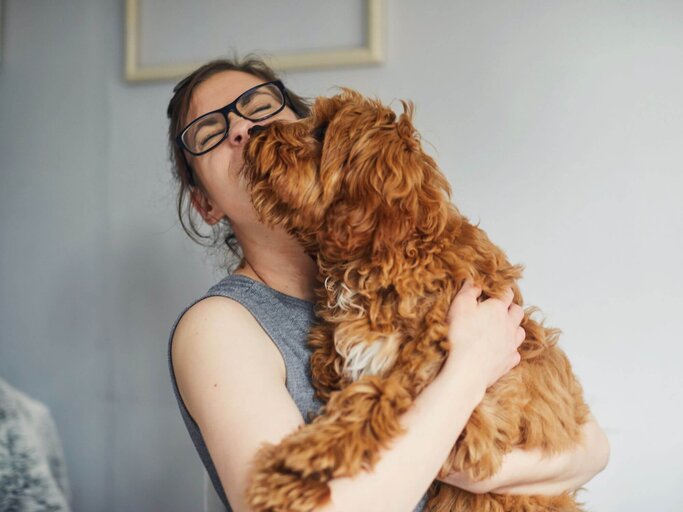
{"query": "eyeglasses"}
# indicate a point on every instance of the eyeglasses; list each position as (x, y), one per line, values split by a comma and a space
(209, 130)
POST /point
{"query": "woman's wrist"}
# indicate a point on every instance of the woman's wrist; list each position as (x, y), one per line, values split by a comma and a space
(468, 379)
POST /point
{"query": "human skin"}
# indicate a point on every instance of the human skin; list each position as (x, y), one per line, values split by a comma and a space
(273, 253)
(274, 257)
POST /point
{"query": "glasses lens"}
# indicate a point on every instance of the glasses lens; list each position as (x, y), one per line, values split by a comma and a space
(262, 102)
(205, 133)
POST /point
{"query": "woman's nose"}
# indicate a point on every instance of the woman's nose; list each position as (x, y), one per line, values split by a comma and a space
(239, 130)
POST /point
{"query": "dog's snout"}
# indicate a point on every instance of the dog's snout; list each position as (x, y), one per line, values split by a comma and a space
(257, 128)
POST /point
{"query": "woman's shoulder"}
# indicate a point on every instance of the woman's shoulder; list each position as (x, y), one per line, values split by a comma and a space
(231, 379)
(219, 308)
(215, 333)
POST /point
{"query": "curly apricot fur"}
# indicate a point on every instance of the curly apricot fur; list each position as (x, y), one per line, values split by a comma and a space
(354, 185)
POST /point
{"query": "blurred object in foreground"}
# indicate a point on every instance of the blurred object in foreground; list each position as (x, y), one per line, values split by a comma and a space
(32, 467)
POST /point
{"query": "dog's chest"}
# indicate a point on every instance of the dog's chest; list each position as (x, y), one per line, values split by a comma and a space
(363, 351)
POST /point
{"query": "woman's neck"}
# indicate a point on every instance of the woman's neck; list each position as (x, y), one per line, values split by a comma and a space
(281, 264)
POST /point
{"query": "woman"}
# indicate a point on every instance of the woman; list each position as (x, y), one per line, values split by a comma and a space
(238, 355)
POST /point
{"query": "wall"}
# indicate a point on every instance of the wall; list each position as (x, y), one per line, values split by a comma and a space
(558, 124)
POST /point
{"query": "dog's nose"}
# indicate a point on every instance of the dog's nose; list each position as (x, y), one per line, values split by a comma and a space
(257, 128)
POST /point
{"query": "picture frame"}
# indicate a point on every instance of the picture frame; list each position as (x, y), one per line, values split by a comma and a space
(369, 53)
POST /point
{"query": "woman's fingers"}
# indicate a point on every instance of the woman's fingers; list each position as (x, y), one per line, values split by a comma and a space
(485, 335)
(521, 335)
(507, 297)
(516, 360)
(467, 295)
(516, 313)
(469, 290)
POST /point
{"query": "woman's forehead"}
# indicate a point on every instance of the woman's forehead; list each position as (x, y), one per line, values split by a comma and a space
(217, 91)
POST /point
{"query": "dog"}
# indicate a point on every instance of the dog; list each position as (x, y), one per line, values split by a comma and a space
(352, 183)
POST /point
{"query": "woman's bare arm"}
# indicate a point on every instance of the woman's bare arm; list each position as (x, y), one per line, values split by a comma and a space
(231, 380)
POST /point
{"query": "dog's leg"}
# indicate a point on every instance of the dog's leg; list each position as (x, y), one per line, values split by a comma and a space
(326, 363)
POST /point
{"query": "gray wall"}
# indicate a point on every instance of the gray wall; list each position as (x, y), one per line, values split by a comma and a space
(559, 125)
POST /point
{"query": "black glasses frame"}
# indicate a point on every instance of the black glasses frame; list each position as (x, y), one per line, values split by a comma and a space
(232, 107)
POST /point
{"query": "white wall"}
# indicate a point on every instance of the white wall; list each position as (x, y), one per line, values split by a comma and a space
(559, 125)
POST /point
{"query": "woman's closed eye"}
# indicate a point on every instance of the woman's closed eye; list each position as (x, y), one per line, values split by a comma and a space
(206, 138)
(261, 107)
(259, 102)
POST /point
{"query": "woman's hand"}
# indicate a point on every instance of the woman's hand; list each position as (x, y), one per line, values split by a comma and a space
(484, 338)
(484, 335)
(532, 472)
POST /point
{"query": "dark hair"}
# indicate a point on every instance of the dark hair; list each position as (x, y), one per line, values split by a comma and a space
(185, 177)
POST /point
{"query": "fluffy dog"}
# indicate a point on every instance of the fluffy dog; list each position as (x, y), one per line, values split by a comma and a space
(354, 185)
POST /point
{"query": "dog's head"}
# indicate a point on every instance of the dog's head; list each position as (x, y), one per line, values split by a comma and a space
(352, 176)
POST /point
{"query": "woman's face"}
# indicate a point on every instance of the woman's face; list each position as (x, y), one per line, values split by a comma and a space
(218, 170)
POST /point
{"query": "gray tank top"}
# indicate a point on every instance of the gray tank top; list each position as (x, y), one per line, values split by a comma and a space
(287, 321)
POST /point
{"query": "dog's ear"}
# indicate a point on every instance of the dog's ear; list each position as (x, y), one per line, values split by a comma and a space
(322, 111)
(392, 187)
(329, 111)
(431, 190)
(326, 108)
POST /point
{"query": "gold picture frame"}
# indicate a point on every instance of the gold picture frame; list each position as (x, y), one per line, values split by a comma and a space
(371, 53)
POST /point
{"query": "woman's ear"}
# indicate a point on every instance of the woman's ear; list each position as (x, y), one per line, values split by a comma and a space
(204, 207)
